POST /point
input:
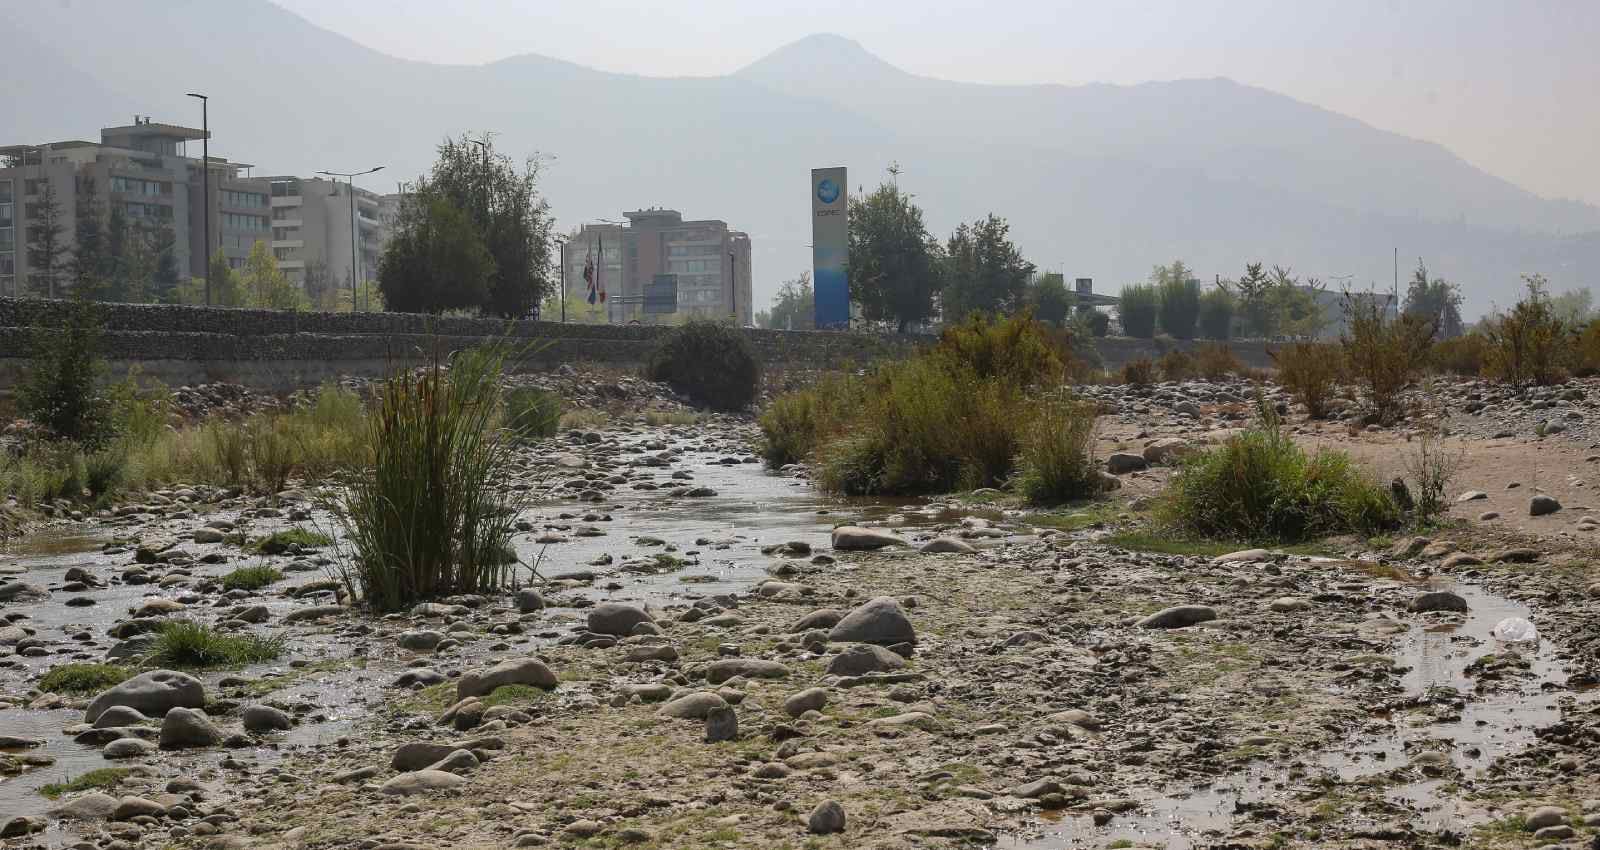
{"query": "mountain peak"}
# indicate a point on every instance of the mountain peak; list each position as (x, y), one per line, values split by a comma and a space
(826, 55)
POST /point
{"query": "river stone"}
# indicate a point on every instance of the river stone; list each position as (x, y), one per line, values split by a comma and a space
(822, 618)
(1437, 600)
(1167, 449)
(120, 715)
(421, 640)
(1542, 505)
(1178, 616)
(693, 706)
(265, 718)
(855, 537)
(188, 727)
(1289, 604)
(517, 671)
(458, 761)
(1122, 463)
(826, 819)
(208, 535)
(94, 806)
(22, 825)
(17, 591)
(1544, 816)
(862, 658)
(1243, 556)
(880, 621)
(810, 699)
(419, 754)
(721, 724)
(421, 782)
(315, 612)
(718, 672)
(616, 618)
(1459, 560)
(151, 693)
(529, 600)
(947, 545)
(1472, 496)
(1514, 556)
(132, 807)
(127, 748)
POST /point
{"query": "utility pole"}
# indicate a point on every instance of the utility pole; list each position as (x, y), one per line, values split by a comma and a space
(205, 182)
(355, 229)
(733, 287)
(562, 243)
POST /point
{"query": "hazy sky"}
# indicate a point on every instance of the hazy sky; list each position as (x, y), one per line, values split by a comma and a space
(1509, 86)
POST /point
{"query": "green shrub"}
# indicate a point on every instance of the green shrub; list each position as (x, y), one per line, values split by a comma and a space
(1139, 373)
(1216, 361)
(1176, 365)
(429, 516)
(1466, 355)
(251, 578)
(1526, 345)
(139, 416)
(795, 423)
(79, 678)
(532, 413)
(1179, 307)
(44, 473)
(710, 362)
(1216, 314)
(1137, 309)
(58, 389)
(183, 643)
(1383, 355)
(1310, 371)
(223, 454)
(1261, 487)
(1057, 463)
(281, 541)
(1018, 348)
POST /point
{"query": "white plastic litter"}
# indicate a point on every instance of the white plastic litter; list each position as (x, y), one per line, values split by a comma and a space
(1515, 630)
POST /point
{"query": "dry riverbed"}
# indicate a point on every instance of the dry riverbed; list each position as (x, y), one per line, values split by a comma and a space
(1034, 685)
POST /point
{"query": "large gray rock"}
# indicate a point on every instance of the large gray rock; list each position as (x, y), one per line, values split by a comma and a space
(132, 807)
(810, 699)
(120, 715)
(1438, 600)
(721, 725)
(95, 806)
(517, 671)
(1178, 616)
(152, 694)
(854, 537)
(17, 591)
(693, 706)
(864, 658)
(528, 600)
(419, 754)
(879, 621)
(419, 640)
(265, 718)
(421, 782)
(1542, 505)
(947, 545)
(315, 612)
(718, 672)
(822, 618)
(128, 748)
(826, 819)
(1122, 463)
(188, 727)
(617, 618)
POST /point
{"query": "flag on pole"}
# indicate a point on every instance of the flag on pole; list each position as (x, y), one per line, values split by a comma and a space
(589, 274)
(599, 276)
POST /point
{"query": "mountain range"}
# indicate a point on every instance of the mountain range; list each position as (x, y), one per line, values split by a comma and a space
(1099, 181)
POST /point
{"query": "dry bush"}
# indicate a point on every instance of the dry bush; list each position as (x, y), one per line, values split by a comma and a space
(1383, 355)
(1215, 361)
(1177, 365)
(1139, 373)
(1311, 372)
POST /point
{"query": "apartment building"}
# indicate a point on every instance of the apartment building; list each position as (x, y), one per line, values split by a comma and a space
(144, 168)
(312, 219)
(711, 263)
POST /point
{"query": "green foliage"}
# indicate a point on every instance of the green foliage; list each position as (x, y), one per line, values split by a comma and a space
(1057, 463)
(796, 423)
(1017, 349)
(1310, 371)
(270, 447)
(283, 540)
(251, 578)
(225, 452)
(710, 362)
(514, 695)
(1099, 323)
(49, 250)
(1259, 486)
(43, 474)
(81, 678)
(1216, 314)
(893, 262)
(58, 391)
(90, 263)
(533, 413)
(1140, 372)
(1575, 308)
(429, 517)
(99, 779)
(983, 271)
(1178, 296)
(1137, 309)
(795, 308)
(1051, 300)
(436, 259)
(1383, 355)
(1466, 355)
(1435, 301)
(265, 285)
(187, 644)
(1525, 346)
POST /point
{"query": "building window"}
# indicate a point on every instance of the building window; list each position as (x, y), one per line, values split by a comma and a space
(248, 200)
(7, 191)
(35, 187)
(7, 215)
(138, 210)
(8, 264)
(135, 186)
(8, 238)
(240, 221)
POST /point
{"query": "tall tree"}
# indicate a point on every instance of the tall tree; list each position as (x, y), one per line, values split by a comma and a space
(164, 279)
(48, 252)
(795, 308)
(91, 261)
(319, 286)
(1050, 298)
(1436, 300)
(984, 272)
(893, 261)
(436, 260)
(1253, 293)
(118, 284)
(265, 285)
(512, 219)
(1137, 308)
(1216, 313)
(1179, 296)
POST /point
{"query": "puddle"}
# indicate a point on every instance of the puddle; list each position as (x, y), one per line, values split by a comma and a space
(1494, 722)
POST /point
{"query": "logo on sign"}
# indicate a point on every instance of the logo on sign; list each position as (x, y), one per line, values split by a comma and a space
(827, 191)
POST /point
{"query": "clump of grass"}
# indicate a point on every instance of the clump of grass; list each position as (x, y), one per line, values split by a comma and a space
(251, 578)
(584, 418)
(710, 362)
(430, 516)
(183, 643)
(98, 779)
(1057, 463)
(795, 423)
(223, 454)
(271, 452)
(513, 695)
(1310, 372)
(1260, 486)
(83, 678)
(281, 541)
(533, 413)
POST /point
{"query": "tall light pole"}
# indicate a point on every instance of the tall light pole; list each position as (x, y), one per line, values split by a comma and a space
(205, 182)
(561, 241)
(355, 226)
(733, 287)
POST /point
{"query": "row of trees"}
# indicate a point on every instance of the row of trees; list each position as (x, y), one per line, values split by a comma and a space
(108, 258)
(475, 234)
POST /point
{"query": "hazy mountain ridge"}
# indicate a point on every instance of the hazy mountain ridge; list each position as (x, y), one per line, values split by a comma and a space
(1105, 180)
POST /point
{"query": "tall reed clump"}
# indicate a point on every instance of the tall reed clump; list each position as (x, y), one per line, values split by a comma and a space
(1310, 371)
(533, 413)
(1261, 487)
(795, 423)
(429, 517)
(1057, 462)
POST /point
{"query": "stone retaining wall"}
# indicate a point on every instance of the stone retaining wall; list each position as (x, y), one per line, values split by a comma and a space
(280, 350)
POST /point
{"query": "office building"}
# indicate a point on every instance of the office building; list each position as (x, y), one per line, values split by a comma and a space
(710, 261)
(311, 224)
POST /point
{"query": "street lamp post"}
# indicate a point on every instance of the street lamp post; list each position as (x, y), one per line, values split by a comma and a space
(733, 287)
(562, 242)
(355, 226)
(205, 181)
